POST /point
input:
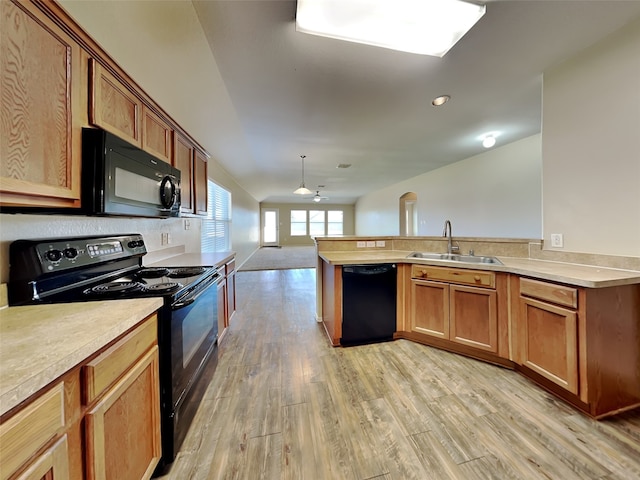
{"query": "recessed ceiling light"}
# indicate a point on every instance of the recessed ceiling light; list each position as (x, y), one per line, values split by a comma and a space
(441, 100)
(416, 26)
(343, 165)
(489, 141)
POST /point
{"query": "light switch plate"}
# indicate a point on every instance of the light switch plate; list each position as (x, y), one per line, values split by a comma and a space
(556, 240)
(371, 243)
(380, 243)
(361, 244)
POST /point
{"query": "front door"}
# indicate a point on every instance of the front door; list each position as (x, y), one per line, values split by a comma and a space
(270, 227)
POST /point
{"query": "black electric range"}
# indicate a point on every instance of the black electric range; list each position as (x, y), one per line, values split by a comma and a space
(80, 269)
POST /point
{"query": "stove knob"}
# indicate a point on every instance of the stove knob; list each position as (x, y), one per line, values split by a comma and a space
(53, 255)
(70, 252)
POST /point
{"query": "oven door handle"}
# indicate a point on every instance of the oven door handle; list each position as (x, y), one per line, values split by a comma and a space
(191, 299)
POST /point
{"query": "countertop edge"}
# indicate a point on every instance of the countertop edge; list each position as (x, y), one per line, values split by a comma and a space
(626, 277)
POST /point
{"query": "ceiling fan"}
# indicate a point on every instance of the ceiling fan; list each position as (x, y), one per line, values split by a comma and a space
(317, 197)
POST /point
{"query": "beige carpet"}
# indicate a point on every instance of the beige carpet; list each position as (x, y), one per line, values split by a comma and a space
(273, 258)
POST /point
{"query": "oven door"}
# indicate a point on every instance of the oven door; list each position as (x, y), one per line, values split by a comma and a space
(194, 332)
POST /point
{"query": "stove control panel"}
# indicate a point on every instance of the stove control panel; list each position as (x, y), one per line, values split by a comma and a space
(56, 255)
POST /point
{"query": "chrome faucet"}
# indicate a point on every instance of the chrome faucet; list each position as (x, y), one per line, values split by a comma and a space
(447, 234)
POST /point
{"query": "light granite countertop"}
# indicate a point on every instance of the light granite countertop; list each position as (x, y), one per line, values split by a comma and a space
(569, 273)
(39, 343)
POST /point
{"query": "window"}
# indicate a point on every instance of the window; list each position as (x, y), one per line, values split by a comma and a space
(316, 223)
(216, 228)
(335, 222)
(298, 223)
(321, 222)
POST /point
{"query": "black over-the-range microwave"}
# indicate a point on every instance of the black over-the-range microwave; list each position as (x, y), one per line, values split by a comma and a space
(122, 179)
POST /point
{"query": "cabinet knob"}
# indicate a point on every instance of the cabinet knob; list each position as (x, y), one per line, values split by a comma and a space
(477, 278)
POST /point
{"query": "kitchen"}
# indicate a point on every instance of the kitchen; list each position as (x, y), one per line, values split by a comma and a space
(550, 193)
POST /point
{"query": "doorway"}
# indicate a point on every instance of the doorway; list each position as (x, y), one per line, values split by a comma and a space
(409, 214)
(270, 227)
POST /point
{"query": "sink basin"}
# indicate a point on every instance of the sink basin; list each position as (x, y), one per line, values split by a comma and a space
(454, 257)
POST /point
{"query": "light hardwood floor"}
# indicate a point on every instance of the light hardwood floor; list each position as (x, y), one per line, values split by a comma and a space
(283, 404)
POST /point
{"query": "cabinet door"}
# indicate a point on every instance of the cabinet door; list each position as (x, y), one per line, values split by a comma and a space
(40, 120)
(123, 428)
(430, 308)
(474, 319)
(112, 106)
(183, 160)
(548, 342)
(231, 295)
(157, 135)
(200, 183)
(51, 465)
(222, 308)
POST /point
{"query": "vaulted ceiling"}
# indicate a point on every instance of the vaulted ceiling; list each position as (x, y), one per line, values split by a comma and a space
(345, 103)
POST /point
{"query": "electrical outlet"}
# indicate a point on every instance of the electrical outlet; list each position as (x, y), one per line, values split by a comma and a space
(360, 244)
(380, 243)
(556, 240)
(165, 238)
(187, 224)
(371, 243)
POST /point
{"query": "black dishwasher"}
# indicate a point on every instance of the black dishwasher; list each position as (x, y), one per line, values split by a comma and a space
(368, 303)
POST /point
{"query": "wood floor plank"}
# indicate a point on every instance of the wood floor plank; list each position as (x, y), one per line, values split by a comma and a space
(284, 404)
(436, 461)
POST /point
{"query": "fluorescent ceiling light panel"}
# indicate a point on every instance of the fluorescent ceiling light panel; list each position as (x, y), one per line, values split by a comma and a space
(426, 27)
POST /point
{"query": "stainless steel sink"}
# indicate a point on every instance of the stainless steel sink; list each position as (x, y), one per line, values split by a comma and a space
(454, 257)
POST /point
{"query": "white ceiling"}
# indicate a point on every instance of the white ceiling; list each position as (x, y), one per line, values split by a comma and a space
(338, 102)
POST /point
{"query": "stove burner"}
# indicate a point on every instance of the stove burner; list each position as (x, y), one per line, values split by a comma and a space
(114, 287)
(186, 272)
(153, 272)
(163, 287)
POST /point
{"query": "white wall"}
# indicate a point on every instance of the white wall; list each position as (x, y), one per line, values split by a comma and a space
(494, 194)
(591, 148)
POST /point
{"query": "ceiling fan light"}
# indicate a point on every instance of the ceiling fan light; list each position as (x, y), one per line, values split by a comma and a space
(316, 198)
(414, 26)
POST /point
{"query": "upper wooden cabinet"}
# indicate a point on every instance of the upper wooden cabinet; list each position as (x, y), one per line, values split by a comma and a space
(200, 182)
(157, 135)
(113, 106)
(183, 160)
(42, 105)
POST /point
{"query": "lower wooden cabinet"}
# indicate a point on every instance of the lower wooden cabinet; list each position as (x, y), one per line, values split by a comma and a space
(100, 420)
(473, 319)
(222, 309)
(458, 313)
(548, 336)
(53, 464)
(29, 431)
(123, 435)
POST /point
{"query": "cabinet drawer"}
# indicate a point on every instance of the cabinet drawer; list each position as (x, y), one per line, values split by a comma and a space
(107, 367)
(549, 292)
(30, 429)
(478, 278)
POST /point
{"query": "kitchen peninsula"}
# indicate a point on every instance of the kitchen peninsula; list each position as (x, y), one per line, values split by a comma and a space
(572, 328)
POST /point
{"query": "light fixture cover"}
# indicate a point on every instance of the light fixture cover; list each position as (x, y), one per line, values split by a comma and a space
(426, 27)
(489, 141)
